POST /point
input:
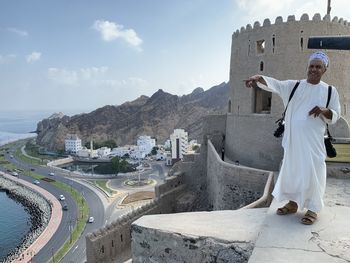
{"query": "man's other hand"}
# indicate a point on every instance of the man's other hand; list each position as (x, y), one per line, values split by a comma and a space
(316, 111)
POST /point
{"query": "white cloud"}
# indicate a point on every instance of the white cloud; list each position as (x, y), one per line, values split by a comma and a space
(34, 56)
(189, 84)
(63, 76)
(17, 31)
(131, 82)
(94, 86)
(90, 75)
(6, 58)
(111, 31)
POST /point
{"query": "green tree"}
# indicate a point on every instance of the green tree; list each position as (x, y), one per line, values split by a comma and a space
(154, 150)
(120, 165)
(108, 143)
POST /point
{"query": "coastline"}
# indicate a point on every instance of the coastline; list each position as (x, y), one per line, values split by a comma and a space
(7, 137)
(36, 205)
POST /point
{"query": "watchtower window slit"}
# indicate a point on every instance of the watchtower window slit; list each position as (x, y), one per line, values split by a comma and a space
(260, 46)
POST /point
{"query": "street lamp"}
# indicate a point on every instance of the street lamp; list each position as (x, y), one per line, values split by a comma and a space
(82, 204)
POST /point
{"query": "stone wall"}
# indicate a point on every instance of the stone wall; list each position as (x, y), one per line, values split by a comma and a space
(233, 186)
(284, 56)
(60, 161)
(194, 168)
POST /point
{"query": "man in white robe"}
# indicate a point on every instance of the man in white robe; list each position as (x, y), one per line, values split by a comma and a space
(302, 177)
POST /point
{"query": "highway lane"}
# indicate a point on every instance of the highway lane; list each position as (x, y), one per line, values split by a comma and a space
(78, 252)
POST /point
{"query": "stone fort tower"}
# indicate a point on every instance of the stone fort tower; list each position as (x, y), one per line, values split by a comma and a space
(278, 50)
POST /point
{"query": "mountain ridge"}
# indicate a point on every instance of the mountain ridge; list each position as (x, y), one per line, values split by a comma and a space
(156, 116)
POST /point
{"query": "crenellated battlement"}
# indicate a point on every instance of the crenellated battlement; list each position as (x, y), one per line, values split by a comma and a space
(291, 19)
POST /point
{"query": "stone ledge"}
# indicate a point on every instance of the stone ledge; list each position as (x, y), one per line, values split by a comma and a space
(216, 236)
(285, 239)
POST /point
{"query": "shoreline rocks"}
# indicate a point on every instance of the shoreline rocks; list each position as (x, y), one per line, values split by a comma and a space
(38, 208)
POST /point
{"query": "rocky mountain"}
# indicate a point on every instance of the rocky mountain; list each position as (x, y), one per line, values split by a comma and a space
(156, 116)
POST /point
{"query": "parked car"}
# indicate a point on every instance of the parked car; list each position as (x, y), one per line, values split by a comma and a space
(36, 182)
(15, 174)
(52, 174)
(91, 219)
(62, 198)
(32, 169)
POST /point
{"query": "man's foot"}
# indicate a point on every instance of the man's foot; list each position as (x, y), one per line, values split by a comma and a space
(309, 218)
(290, 208)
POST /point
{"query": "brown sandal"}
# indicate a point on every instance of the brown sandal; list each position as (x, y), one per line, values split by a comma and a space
(289, 208)
(309, 218)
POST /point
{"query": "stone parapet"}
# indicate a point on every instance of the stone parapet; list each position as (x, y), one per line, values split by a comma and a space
(217, 236)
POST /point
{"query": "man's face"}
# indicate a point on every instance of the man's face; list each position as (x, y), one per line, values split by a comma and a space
(315, 71)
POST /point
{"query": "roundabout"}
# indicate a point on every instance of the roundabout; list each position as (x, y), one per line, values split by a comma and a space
(138, 182)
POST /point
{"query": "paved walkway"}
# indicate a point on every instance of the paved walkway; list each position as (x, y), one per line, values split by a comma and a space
(284, 239)
(25, 154)
(55, 220)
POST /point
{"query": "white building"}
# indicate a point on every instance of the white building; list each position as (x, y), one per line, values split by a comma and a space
(120, 151)
(87, 153)
(72, 143)
(167, 144)
(103, 151)
(137, 153)
(179, 144)
(146, 144)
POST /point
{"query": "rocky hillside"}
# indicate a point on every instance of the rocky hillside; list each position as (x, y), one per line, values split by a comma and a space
(156, 116)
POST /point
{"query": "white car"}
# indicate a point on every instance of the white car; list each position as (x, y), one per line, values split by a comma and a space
(91, 219)
(52, 174)
(36, 182)
(62, 198)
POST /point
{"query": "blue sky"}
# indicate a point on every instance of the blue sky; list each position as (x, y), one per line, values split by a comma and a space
(80, 55)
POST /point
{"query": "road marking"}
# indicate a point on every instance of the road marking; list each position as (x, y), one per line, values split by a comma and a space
(75, 248)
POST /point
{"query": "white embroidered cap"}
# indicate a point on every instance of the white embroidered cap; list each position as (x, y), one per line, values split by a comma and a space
(321, 56)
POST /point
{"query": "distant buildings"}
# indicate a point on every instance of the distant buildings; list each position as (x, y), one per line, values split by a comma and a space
(103, 151)
(179, 144)
(146, 143)
(144, 147)
(72, 144)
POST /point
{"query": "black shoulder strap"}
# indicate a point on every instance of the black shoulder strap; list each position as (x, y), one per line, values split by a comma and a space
(328, 99)
(293, 91)
(290, 97)
(329, 95)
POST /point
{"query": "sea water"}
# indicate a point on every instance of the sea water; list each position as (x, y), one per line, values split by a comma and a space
(14, 219)
(14, 224)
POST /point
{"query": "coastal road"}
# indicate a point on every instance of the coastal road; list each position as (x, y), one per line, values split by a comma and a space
(78, 252)
(62, 233)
